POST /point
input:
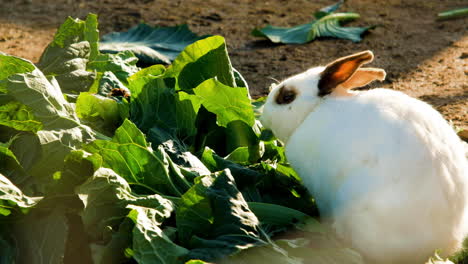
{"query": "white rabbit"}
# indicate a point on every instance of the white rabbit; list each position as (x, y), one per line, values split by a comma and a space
(386, 169)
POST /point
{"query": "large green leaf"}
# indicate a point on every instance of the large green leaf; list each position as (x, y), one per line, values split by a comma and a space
(200, 61)
(214, 220)
(130, 156)
(155, 104)
(326, 24)
(76, 30)
(225, 119)
(228, 103)
(42, 96)
(74, 44)
(61, 130)
(152, 45)
(149, 93)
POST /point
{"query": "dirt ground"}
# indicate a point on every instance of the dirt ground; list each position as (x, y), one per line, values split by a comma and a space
(423, 57)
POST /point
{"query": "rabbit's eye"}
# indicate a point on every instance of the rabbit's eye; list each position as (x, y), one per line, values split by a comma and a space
(289, 97)
(286, 95)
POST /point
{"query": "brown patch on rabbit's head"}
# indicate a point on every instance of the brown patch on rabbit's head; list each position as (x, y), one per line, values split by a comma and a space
(286, 95)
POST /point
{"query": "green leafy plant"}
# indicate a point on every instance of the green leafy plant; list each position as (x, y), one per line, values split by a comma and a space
(173, 167)
(326, 24)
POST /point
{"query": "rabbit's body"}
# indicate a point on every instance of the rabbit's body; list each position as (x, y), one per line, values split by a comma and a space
(386, 174)
(386, 169)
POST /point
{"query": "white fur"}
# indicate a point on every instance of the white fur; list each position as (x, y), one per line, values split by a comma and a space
(386, 169)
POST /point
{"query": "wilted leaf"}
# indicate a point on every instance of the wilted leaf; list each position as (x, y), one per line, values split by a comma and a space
(326, 25)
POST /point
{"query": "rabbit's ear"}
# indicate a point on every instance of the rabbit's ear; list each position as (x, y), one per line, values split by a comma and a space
(361, 77)
(341, 70)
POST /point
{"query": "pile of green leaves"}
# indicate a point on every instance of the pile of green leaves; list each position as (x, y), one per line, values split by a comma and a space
(172, 168)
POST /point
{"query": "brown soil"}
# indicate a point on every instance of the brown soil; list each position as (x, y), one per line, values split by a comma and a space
(423, 57)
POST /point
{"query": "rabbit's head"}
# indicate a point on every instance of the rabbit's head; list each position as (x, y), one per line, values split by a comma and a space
(290, 101)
